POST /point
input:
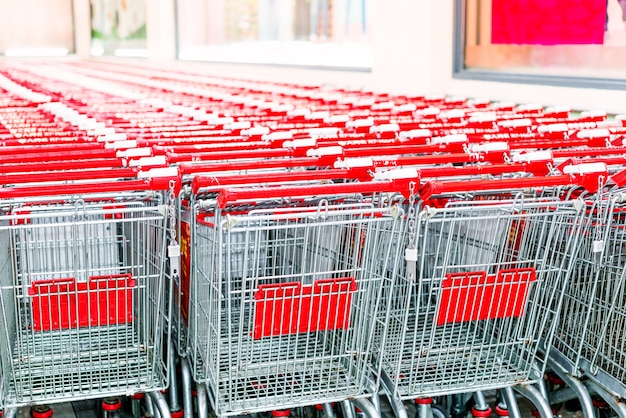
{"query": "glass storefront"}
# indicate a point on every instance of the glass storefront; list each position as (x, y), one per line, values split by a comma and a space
(118, 27)
(324, 33)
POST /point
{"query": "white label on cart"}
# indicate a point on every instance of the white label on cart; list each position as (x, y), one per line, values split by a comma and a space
(101, 131)
(365, 102)
(490, 147)
(530, 107)
(558, 109)
(277, 136)
(112, 137)
(324, 151)
(360, 123)
(452, 114)
(148, 161)
(515, 123)
(407, 107)
(387, 127)
(135, 152)
(594, 133)
(159, 172)
(299, 111)
(555, 127)
(585, 168)
(593, 113)
(383, 105)
(337, 119)
(410, 254)
(598, 246)
(131, 143)
(246, 124)
(429, 111)
(284, 107)
(502, 105)
(483, 117)
(449, 139)
(257, 130)
(416, 133)
(300, 143)
(354, 162)
(532, 156)
(397, 173)
(324, 132)
(320, 114)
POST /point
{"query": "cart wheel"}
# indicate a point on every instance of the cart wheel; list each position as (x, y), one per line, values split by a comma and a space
(502, 411)
(111, 407)
(481, 413)
(41, 411)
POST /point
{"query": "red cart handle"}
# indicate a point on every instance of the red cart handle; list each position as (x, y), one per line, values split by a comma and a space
(228, 155)
(155, 184)
(34, 174)
(200, 182)
(235, 195)
(191, 168)
(39, 149)
(587, 180)
(63, 165)
(59, 156)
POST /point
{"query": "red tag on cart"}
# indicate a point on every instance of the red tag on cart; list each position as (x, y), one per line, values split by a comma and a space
(291, 308)
(477, 296)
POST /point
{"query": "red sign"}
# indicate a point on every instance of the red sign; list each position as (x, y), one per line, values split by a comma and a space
(548, 22)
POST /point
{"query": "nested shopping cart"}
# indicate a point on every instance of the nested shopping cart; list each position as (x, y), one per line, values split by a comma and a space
(589, 341)
(485, 266)
(285, 285)
(85, 299)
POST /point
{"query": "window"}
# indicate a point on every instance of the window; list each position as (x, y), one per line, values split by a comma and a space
(316, 33)
(568, 42)
(118, 27)
(36, 28)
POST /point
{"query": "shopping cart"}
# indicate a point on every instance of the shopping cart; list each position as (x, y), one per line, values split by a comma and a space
(588, 342)
(285, 286)
(480, 288)
(85, 297)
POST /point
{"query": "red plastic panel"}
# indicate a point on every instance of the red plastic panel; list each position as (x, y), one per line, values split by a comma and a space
(477, 296)
(290, 308)
(64, 303)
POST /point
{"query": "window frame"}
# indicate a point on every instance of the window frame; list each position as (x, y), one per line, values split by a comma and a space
(460, 72)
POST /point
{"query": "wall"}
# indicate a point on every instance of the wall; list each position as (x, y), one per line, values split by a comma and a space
(36, 24)
(413, 42)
